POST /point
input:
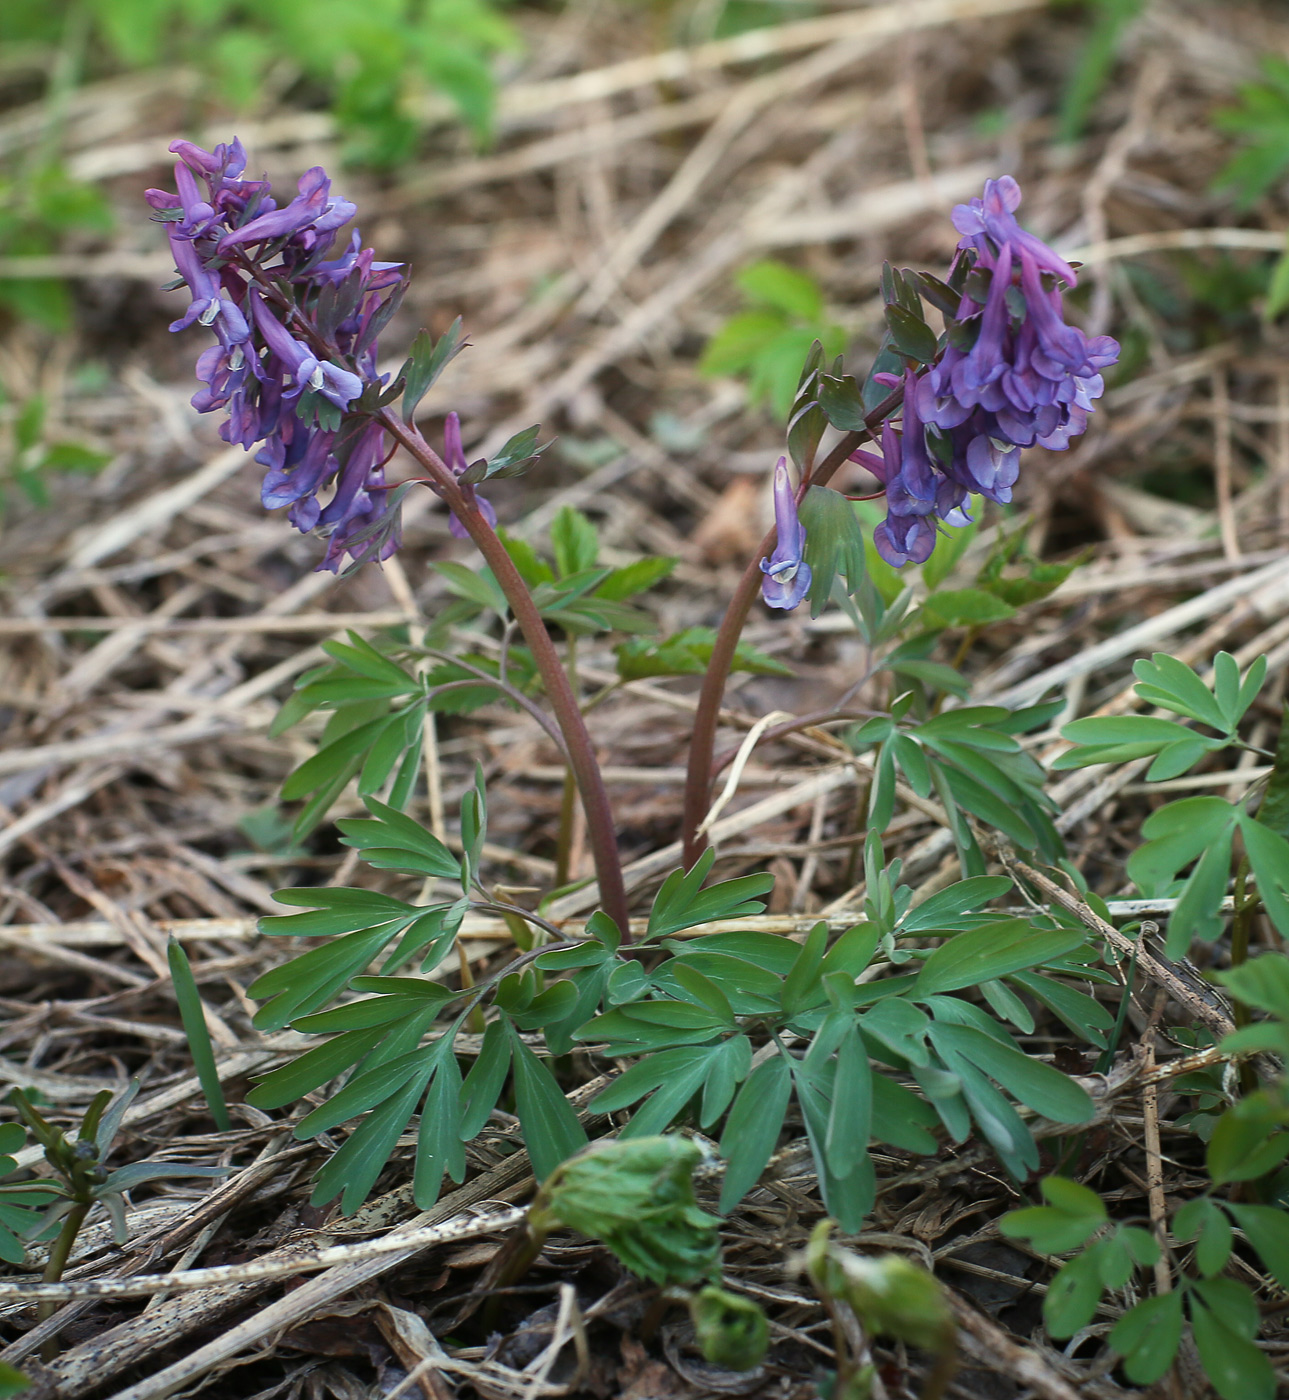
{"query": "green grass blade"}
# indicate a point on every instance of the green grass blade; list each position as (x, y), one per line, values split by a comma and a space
(194, 1024)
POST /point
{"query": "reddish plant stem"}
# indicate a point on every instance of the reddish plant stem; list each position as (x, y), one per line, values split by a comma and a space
(568, 714)
(702, 743)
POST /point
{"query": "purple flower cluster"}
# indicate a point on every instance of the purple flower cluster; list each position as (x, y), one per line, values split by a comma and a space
(295, 335)
(1013, 375)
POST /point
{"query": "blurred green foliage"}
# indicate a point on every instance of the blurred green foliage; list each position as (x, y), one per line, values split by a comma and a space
(36, 209)
(377, 64)
(29, 452)
(767, 342)
(372, 61)
(1095, 62)
(1260, 121)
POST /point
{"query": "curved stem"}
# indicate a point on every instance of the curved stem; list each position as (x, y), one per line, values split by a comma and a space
(702, 744)
(501, 686)
(490, 906)
(568, 797)
(59, 1253)
(577, 740)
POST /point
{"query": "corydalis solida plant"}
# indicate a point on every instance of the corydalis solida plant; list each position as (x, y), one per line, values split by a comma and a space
(295, 367)
(256, 288)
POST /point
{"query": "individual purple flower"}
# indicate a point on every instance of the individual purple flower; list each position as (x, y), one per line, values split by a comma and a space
(982, 462)
(787, 575)
(376, 275)
(306, 370)
(313, 212)
(208, 302)
(906, 535)
(358, 508)
(299, 459)
(454, 460)
(975, 370)
(992, 216)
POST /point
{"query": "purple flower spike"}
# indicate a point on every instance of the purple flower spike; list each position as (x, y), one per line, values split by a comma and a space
(1014, 374)
(787, 575)
(281, 366)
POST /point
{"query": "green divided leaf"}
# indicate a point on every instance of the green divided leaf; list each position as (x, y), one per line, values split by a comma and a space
(1262, 983)
(834, 544)
(440, 1150)
(637, 577)
(1196, 828)
(993, 951)
(1073, 1215)
(477, 586)
(550, 1127)
(362, 658)
(428, 360)
(1073, 1295)
(311, 980)
(739, 342)
(753, 1127)
(769, 341)
(687, 653)
(1170, 683)
(353, 1171)
(850, 1117)
(1246, 1143)
(393, 841)
(1035, 1084)
(910, 334)
(842, 402)
(1203, 1220)
(964, 607)
(1147, 1336)
(487, 1078)
(1261, 120)
(782, 287)
(681, 902)
(1235, 1366)
(944, 909)
(1267, 1230)
(1119, 739)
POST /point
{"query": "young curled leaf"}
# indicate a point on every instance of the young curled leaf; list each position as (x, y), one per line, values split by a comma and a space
(637, 1196)
(732, 1331)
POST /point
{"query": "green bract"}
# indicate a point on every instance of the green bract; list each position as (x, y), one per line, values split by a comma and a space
(889, 1295)
(638, 1197)
(731, 1330)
